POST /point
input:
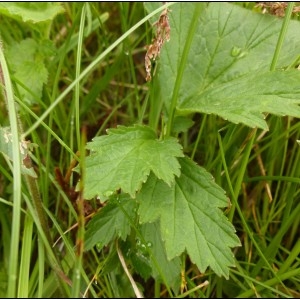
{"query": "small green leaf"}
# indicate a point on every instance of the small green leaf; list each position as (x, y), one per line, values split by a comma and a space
(112, 221)
(182, 124)
(33, 12)
(141, 264)
(124, 158)
(27, 63)
(190, 217)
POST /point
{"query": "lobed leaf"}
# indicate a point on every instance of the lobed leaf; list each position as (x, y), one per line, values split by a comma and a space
(124, 158)
(227, 69)
(112, 221)
(190, 217)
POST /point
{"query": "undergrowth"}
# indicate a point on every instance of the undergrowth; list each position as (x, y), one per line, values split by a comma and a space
(149, 150)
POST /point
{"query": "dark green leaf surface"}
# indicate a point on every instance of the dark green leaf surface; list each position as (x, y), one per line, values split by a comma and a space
(190, 217)
(141, 264)
(124, 158)
(112, 221)
(227, 70)
(169, 269)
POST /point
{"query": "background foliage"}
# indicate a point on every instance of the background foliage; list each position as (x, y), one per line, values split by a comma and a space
(146, 217)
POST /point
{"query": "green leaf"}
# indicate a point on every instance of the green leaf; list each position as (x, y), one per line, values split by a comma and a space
(27, 63)
(190, 217)
(124, 158)
(169, 269)
(231, 53)
(182, 124)
(140, 263)
(273, 92)
(112, 221)
(33, 12)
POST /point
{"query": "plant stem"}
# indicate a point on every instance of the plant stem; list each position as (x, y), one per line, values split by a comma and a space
(282, 34)
(81, 221)
(16, 156)
(133, 284)
(200, 131)
(78, 63)
(186, 50)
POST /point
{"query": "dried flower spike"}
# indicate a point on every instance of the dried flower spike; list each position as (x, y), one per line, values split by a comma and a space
(276, 8)
(162, 34)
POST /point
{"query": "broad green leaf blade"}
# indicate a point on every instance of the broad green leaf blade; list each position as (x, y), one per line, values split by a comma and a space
(190, 217)
(231, 45)
(33, 12)
(124, 158)
(244, 99)
(112, 221)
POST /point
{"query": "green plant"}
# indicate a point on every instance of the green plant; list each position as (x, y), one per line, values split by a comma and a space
(161, 215)
(208, 67)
